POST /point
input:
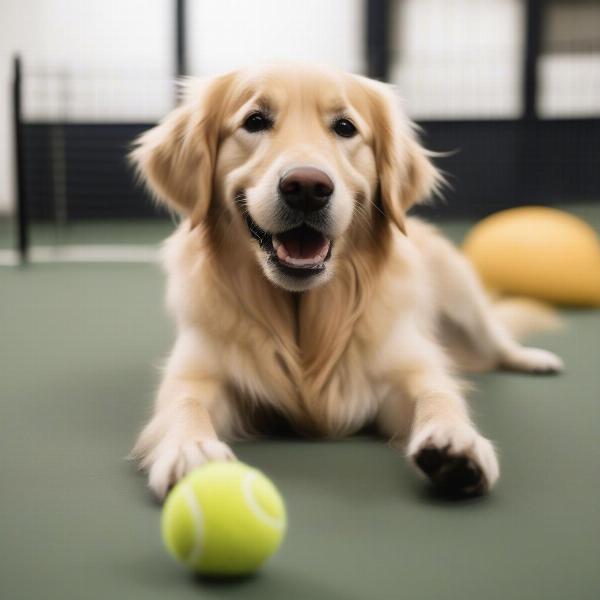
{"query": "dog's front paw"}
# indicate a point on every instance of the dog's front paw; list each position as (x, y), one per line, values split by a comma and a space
(172, 460)
(457, 459)
(532, 360)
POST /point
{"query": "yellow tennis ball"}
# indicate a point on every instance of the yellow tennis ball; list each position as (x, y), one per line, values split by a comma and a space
(224, 519)
(539, 252)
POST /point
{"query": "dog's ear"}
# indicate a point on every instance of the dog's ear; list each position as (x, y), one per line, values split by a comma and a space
(406, 175)
(177, 157)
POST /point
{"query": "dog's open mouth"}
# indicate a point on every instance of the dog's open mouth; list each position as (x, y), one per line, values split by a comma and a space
(301, 251)
(301, 247)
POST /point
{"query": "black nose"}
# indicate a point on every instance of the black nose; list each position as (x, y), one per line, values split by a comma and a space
(306, 189)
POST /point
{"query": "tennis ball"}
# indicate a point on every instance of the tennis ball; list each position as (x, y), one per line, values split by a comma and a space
(225, 518)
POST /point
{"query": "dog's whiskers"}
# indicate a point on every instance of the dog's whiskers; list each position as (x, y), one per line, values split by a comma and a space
(364, 221)
(376, 207)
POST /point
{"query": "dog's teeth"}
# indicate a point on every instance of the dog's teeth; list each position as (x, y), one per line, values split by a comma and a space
(282, 253)
(303, 262)
(325, 251)
(284, 256)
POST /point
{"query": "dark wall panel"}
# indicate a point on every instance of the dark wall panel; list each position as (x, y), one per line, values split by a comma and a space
(92, 161)
(494, 165)
(499, 164)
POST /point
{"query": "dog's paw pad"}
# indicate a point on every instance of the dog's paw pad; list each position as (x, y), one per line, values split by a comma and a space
(430, 460)
(462, 475)
(456, 459)
(452, 475)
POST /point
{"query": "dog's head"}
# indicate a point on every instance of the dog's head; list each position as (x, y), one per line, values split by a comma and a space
(296, 163)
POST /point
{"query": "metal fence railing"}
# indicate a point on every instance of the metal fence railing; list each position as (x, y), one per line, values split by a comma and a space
(72, 129)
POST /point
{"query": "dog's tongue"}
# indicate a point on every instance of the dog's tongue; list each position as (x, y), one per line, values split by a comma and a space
(301, 246)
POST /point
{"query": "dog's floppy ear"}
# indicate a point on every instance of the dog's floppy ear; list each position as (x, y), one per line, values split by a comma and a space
(177, 157)
(406, 175)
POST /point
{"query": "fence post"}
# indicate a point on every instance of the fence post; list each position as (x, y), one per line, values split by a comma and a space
(533, 33)
(19, 150)
(377, 38)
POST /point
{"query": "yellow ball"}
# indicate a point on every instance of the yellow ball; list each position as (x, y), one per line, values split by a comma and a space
(539, 252)
(224, 519)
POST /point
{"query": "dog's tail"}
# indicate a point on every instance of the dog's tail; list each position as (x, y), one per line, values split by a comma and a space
(523, 317)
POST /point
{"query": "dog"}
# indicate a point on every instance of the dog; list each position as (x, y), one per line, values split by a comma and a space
(300, 288)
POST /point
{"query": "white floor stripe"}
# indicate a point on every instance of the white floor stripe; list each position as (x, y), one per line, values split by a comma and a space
(8, 258)
(101, 253)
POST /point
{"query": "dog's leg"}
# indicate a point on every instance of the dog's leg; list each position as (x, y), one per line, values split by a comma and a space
(443, 443)
(181, 435)
(463, 302)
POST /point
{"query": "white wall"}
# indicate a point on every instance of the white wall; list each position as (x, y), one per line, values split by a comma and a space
(569, 73)
(569, 85)
(463, 59)
(225, 34)
(459, 58)
(13, 33)
(98, 60)
(84, 59)
(113, 59)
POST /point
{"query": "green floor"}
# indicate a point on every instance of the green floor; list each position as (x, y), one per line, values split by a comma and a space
(79, 347)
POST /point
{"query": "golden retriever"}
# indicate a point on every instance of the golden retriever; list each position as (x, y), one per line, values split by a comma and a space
(300, 288)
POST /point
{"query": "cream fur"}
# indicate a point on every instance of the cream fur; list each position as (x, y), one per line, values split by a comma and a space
(366, 342)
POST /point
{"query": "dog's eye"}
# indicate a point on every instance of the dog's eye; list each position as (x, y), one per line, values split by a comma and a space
(344, 128)
(256, 122)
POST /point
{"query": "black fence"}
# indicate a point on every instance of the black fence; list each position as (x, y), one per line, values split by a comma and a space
(70, 171)
(87, 176)
(499, 164)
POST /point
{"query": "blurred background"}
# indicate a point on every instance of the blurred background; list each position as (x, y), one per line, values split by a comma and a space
(512, 87)
(509, 88)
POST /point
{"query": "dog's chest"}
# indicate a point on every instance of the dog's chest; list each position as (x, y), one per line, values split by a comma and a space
(325, 390)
